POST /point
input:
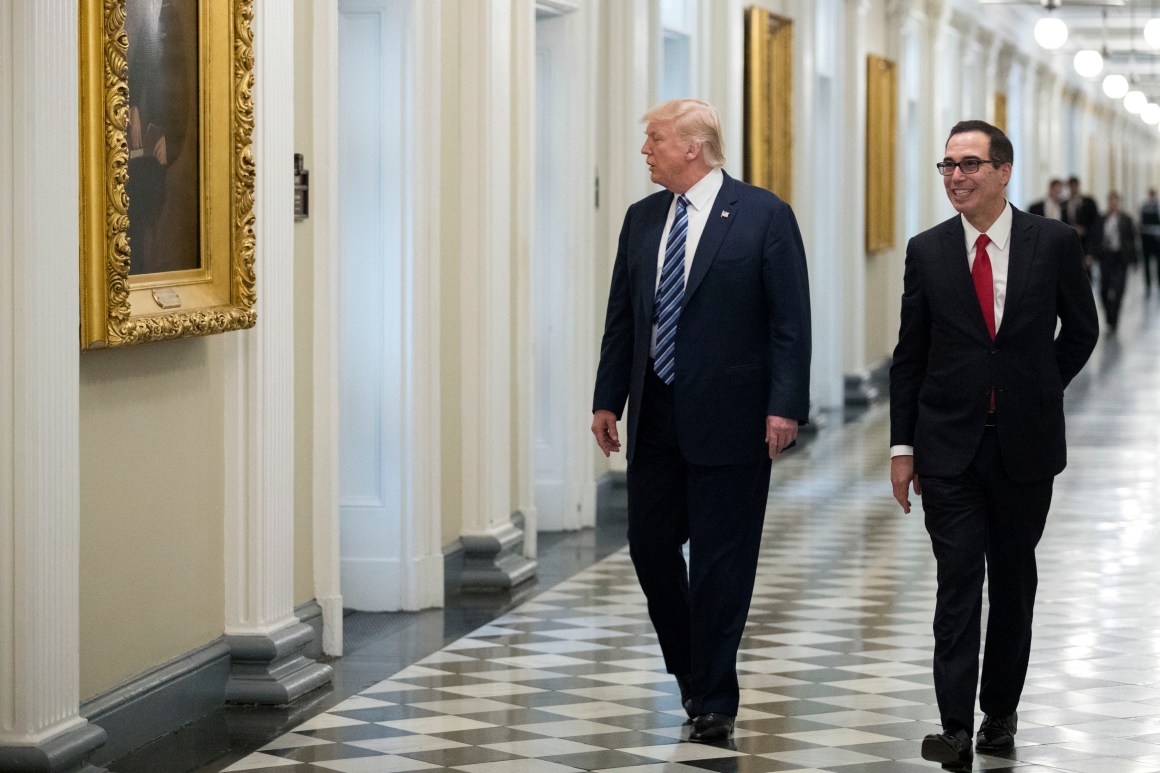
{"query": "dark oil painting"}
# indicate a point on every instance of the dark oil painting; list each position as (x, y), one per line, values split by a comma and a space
(164, 142)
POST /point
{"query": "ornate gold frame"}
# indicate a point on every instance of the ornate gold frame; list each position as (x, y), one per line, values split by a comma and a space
(769, 102)
(117, 309)
(881, 111)
(1001, 110)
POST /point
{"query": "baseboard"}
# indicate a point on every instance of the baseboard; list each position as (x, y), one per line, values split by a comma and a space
(166, 698)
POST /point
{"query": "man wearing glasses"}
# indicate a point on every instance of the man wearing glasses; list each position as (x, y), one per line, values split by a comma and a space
(976, 422)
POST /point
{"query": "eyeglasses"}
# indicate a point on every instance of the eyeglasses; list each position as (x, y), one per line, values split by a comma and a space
(968, 165)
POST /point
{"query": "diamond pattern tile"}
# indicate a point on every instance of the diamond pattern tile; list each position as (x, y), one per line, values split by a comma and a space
(835, 664)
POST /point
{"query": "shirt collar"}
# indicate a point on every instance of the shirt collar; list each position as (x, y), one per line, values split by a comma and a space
(705, 190)
(999, 232)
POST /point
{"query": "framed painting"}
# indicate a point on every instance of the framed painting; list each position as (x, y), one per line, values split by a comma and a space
(167, 169)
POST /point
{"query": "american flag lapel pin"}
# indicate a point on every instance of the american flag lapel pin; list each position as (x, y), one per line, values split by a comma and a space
(724, 213)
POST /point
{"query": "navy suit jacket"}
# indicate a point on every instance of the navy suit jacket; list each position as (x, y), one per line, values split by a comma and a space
(743, 339)
(945, 364)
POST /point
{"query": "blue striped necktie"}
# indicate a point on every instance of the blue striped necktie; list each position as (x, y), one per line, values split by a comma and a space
(670, 292)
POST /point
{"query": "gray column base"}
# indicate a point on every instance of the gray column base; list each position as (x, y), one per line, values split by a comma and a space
(68, 753)
(270, 670)
(495, 562)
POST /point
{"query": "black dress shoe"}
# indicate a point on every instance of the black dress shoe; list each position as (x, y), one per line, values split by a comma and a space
(686, 686)
(997, 734)
(711, 727)
(949, 748)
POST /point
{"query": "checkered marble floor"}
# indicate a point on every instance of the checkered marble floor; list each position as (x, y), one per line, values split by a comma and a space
(835, 664)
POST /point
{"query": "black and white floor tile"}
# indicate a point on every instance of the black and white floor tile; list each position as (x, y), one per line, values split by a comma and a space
(835, 664)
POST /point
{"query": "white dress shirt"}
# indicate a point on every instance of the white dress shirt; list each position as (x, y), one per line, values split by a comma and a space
(999, 251)
(701, 197)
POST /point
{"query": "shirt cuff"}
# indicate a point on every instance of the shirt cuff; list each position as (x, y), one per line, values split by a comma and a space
(901, 451)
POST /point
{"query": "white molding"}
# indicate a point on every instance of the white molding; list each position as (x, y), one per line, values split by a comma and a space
(39, 355)
(324, 213)
(259, 416)
(556, 7)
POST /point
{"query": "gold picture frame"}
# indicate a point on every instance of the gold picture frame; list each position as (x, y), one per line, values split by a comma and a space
(881, 109)
(213, 290)
(768, 152)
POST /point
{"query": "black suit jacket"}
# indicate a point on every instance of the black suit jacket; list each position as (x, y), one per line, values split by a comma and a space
(1038, 208)
(945, 364)
(1087, 217)
(743, 339)
(1127, 252)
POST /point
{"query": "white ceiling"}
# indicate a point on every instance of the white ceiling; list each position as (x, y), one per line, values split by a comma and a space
(1113, 27)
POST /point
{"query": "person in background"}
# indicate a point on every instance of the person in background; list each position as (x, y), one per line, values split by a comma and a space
(1052, 206)
(976, 423)
(1115, 238)
(1082, 214)
(1150, 240)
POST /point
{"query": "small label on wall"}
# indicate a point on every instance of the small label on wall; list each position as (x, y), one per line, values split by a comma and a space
(167, 298)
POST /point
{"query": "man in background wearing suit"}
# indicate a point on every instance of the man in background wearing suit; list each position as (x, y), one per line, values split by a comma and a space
(1115, 245)
(1082, 214)
(1150, 239)
(976, 422)
(1052, 206)
(707, 337)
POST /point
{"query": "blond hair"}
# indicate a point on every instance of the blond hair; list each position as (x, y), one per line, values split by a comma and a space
(695, 121)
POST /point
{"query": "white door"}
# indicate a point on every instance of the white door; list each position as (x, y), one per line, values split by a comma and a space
(373, 357)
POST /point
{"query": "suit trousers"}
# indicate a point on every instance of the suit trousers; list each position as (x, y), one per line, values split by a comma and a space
(698, 610)
(982, 522)
(1150, 256)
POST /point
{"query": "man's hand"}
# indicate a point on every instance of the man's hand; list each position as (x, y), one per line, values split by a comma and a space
(901, 477)
(604, 428)
(779, 433)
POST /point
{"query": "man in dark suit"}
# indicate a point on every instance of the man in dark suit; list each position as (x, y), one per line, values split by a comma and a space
(1150, 239)
(1082, 214)
(1115, 240)
(976, 422)
(1052, 206)
(707, 336)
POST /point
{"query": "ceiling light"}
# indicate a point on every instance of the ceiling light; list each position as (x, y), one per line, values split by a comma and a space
(1116, 86)
(1151, 113)
(1134, 101)
(1152, 33)
(1088, 63)
(1050, 32)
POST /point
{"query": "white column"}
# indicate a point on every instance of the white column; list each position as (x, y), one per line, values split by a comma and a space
(40, 725)
(260, 625)
(493, 544)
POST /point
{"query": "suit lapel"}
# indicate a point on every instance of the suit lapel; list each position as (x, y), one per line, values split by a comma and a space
(722, 215)
(954, 239)
(1022, 250)
(651, 239)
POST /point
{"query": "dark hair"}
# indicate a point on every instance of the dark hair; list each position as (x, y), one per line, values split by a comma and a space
(1054, 182)
(1073, 180)
(1001, 150)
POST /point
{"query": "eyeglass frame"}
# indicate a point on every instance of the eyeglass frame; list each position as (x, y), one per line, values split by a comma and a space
(951, 165)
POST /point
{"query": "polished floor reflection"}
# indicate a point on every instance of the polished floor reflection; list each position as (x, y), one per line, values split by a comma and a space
(836, 660)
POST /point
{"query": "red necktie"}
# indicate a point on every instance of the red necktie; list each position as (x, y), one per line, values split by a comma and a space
(984, 282)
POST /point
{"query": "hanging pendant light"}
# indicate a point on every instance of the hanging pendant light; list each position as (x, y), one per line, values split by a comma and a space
(1134, 101)
(1151, 113)
(1115, 86)
(1088, 63)
(1050, 32)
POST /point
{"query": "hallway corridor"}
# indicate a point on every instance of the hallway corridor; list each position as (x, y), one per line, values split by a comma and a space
(835, 666)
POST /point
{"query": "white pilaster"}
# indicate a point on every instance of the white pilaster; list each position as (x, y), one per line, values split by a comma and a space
(39, 393)
(854, 204)
(259, 506)
(523, 223)
(486, 280)
(423, 535)
(324, 213)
